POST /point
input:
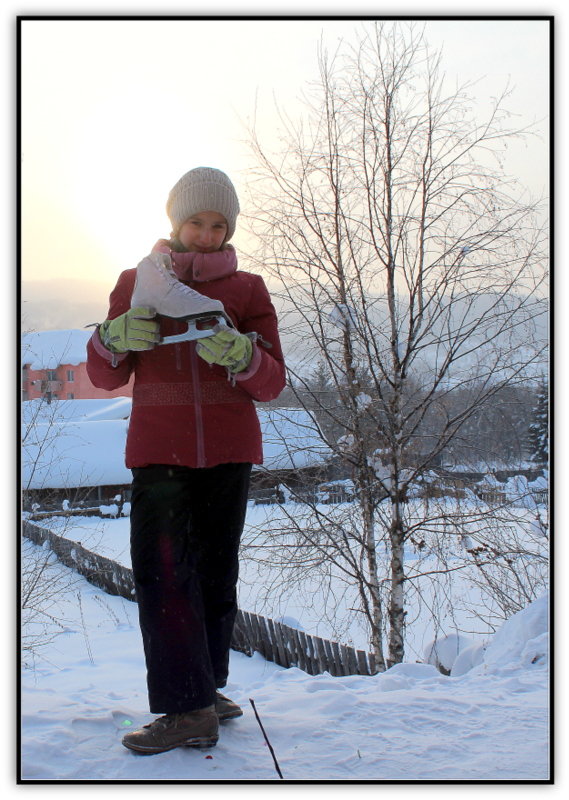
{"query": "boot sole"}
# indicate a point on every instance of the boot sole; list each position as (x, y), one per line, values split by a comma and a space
(202, 742)
(230, 715)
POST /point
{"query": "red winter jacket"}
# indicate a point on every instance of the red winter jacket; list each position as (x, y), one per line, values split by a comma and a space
(185, 411)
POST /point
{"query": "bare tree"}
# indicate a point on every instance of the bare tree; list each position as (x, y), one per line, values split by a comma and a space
(47, 594)
(406, 255)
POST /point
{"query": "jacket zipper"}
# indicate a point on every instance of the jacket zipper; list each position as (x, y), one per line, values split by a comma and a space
(194, 366)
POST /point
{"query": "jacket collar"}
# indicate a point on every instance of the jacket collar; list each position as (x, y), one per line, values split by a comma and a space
(200, 267)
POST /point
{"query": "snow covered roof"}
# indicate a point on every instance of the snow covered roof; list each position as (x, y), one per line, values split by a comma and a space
(80, 443)
(70, 454)
(49, 349)
(291, 439)
(80, 410)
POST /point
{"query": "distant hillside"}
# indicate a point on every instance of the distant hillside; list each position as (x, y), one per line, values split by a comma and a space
(62, 304)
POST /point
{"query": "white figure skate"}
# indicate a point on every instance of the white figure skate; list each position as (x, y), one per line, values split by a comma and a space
(158, 287)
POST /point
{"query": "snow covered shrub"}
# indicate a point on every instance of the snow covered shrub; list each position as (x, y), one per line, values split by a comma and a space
(523, 640)
(467, 659)
(442, 653)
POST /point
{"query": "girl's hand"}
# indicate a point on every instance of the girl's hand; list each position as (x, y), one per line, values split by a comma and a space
(228, 348)
(136, 330)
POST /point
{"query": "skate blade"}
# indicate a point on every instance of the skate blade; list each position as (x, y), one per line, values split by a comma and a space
(193, 332)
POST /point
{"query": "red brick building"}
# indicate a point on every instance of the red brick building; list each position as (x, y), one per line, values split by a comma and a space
(54, 367)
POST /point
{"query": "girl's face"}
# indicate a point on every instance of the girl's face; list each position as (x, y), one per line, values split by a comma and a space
(204, 232)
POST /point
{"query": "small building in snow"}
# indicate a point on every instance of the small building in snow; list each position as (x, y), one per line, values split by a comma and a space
(54, 367)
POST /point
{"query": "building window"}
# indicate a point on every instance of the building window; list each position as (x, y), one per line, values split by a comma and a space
(70, 396)
(52, 375)
(70, 376)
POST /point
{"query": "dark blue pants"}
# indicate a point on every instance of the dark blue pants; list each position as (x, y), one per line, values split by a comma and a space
(186, 525)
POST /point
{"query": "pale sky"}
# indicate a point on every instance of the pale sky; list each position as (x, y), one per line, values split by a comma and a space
(114, 112)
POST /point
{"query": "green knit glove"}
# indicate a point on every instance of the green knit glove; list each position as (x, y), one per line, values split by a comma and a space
(134, 330)
(228, 348)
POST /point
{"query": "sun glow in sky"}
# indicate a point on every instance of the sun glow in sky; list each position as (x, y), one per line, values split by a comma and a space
(114, 112)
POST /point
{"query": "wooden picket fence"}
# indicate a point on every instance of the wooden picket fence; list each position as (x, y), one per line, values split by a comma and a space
(290, 647)
(109, 576)
(276, 642)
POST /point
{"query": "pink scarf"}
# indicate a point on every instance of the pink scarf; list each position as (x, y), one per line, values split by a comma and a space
(200, 267)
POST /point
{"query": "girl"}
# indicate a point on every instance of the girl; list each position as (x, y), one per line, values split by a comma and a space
(192, 440)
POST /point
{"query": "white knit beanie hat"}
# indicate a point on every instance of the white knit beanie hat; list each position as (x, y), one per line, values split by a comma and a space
(203, 189)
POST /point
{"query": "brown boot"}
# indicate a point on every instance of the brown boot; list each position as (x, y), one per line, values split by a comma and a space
(226, 708)
(192, 729)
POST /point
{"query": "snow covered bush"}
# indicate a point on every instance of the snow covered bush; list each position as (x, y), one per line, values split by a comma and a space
(443, 653)
(523, 640)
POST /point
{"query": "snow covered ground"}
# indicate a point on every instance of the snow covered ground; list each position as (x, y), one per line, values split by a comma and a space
(409, 724)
